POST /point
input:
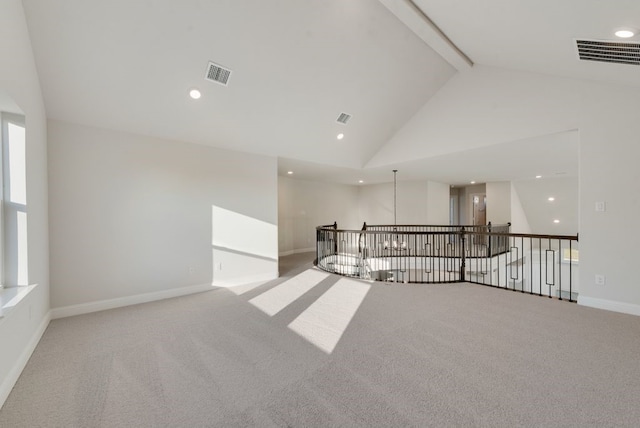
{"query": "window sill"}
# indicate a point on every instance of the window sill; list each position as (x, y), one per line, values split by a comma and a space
(10, 297)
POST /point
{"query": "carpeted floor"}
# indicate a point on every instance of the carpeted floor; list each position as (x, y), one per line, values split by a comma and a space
(402, 355)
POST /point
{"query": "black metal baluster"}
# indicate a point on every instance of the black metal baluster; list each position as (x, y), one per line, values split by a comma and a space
(522, 264)
(570, 271)
(540, 256)
(463, 261)
(560, 257)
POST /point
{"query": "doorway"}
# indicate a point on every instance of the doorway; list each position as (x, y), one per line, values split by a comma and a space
(479, 209)
(479, 215)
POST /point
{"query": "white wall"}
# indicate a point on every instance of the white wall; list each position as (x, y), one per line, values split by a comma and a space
(498, 202)
(497, 105)
(304, 205)
(375, 203)
(454, 195)
(418, 202)
(437, 203)
(22, 326)
(519, 220)
(482, 107)
(609, 153)
(132, 215)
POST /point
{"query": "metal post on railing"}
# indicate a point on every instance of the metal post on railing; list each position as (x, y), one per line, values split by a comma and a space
(490, 238)
(335, 237)
(315, 262)
(362, 251)
(462, 255)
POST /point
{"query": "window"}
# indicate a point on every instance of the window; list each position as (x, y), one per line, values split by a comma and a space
(13, 200)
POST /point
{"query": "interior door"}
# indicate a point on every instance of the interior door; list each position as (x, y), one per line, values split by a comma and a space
(479, 209)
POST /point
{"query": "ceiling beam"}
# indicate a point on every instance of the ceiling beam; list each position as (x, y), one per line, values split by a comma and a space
(409, 13)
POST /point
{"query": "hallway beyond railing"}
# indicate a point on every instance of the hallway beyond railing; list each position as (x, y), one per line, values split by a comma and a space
(546, 265)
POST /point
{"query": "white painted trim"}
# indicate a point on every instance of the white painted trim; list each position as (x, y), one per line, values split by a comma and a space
(609, 305)
(101, 305)
(301, 250)
(13, 296)
(413, 17)
(9, 382)
(232, 282)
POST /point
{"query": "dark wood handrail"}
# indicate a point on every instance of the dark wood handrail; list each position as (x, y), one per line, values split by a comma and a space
(445, 232)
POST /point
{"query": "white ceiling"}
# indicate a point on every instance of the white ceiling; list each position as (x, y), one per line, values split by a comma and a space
(541, 212)
(537, 35)
(128, 65)
(550, 156)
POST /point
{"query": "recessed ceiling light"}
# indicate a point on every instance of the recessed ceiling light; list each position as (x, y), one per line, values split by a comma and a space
(473, 182)
(625, 33)
(538, 176)
(340, 136)
(360, 181)
(551, 199)
(290, 172)
(195, 94)
(556, 221)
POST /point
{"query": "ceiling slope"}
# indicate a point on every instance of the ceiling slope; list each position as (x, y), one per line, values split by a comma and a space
(483, 107)
(414, 17)
(537, 36)
(552, 155)
(296, 65)
(527, 77)
(128, 65)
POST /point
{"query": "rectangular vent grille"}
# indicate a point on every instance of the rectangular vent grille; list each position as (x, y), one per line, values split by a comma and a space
(616, 52)
(217, 73)
(343, 118)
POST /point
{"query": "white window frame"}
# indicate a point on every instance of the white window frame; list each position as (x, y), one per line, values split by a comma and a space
(5, 120)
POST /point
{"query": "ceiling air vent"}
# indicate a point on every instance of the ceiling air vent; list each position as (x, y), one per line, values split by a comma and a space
(343, 118)
(616, 52)
(217, 73)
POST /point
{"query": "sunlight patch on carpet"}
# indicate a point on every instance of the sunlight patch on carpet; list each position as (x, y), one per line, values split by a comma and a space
(326, 320)
(279, 297)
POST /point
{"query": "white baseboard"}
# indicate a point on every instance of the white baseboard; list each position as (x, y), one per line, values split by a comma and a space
(232, 282)
(609, 305)
(11, 379)
(101, 305)
(292, 252)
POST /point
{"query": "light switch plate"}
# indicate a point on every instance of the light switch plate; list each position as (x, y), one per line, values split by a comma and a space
(601, 206)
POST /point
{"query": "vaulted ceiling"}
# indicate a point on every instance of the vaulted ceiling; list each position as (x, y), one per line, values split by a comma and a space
(296, 65)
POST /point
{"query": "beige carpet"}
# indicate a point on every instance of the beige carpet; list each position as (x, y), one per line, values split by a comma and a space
(412, 355)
